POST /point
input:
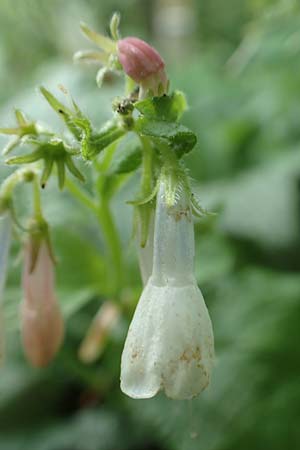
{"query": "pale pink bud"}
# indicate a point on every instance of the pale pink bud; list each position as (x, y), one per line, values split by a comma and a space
(143, 64)
(42, 323)
(101, 327)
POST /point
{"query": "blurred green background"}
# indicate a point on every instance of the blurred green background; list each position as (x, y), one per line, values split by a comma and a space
(238, 61)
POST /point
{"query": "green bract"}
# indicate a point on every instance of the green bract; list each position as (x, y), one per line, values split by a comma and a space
(168, 107)
(53, 151)
(128, 160)
(180, 138)
(75, 121)
(93, 143)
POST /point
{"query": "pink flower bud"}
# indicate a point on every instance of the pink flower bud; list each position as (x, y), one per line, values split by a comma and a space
(42, 323)
(143, 64)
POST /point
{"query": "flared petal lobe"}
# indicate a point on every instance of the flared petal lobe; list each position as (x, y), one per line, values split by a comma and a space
(170, 343)
(42, 323)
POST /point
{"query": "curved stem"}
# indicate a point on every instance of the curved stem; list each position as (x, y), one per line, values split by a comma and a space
(37, 199)
(146, 185)
(19, 176)
(81, 196)
(112, 238)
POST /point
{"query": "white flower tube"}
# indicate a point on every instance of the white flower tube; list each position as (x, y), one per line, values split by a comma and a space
(5, 237)
(169, 345)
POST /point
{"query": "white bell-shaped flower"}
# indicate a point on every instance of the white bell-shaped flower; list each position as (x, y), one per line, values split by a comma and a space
(169, 345)
(5, 237)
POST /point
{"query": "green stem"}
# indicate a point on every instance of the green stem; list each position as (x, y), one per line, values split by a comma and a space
(106, 221)
(19, 176)
(37, 200)
(81, 196)
(146, 182)
(112, 239)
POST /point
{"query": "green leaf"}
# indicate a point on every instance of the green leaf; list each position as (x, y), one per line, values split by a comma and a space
(74, 120)
(180, 138)
(26, 159)
(107, 44)
(91, 56)
(61, 172)
(144, 200)
(21, 119)
(54, 103)
(198, 209)
(93, 144)
(11, 131)
(11, 144)
(73, 169)
(128, 160)
(100, 76)
(114, 26)
(48, 165)
(168, 107)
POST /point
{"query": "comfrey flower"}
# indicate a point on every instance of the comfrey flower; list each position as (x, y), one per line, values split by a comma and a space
(5, 237)
(169, 345)
(41, 320)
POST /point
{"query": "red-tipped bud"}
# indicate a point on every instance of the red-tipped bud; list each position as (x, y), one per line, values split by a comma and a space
(42, 323)
(143, 64)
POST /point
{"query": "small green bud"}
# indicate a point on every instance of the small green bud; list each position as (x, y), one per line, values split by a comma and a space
(114, 26)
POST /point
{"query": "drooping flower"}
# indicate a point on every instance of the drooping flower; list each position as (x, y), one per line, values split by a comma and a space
(41, 320)
(144, 65)
(5, 237)
(169, 345)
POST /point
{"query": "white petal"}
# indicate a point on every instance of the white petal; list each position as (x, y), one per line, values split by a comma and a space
(169, 345)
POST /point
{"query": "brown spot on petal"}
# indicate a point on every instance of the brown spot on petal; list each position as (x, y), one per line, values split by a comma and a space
(190, 354)
(134, 355)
